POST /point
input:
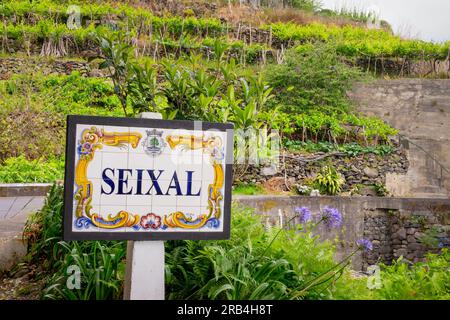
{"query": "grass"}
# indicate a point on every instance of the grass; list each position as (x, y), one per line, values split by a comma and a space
(248, 189)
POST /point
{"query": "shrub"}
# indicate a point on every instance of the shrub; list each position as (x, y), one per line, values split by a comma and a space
(315, 79)
(31, 133)
(422, 281)
(20, 170)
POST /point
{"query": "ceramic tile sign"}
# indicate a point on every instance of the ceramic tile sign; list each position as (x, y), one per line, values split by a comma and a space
(147, 179)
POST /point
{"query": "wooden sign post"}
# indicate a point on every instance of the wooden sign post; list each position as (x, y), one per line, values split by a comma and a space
(142, 179)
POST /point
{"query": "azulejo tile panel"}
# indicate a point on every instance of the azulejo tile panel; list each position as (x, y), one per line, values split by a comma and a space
(148, 179)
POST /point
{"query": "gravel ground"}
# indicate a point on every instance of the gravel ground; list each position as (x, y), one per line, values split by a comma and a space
(22, 283)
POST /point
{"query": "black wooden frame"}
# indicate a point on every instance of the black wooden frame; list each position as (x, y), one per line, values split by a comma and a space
(73, 120)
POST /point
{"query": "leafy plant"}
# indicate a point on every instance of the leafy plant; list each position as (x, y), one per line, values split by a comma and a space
(117, 60)
(381, 189)
(100, 262)
(430, 237)
(422, 281)
(21, 170)
(329, 181)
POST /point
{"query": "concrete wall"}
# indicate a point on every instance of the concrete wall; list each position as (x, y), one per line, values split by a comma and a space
(395, 225)
(420, 110)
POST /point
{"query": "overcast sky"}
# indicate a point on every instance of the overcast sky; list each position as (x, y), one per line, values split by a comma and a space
(424, 19)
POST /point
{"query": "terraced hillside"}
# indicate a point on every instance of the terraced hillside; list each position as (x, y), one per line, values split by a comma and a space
(258, 68)
(279, 74)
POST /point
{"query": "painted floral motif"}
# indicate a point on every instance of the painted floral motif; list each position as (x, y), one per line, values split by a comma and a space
(150, 220)
(90, 140)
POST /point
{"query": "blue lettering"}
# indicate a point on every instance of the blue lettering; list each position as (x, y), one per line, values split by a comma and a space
(108, 181)
(123, 182)
(189, 184)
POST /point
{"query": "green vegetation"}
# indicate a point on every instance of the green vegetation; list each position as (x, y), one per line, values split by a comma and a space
(328, 181)
(254, 264)
(315, 99)
(190, 32)
(350, 149)
(21, 170)
(247, 189)
(100, 262)
(421, 281)
(60, 94)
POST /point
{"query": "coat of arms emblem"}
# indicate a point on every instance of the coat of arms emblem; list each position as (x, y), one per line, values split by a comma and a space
(154, 143)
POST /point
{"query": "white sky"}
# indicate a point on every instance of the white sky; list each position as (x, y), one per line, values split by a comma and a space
(424, 19)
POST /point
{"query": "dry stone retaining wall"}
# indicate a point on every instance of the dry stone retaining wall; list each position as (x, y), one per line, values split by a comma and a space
(397, 227)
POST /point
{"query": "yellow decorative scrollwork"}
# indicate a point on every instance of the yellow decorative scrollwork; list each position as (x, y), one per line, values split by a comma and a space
(91, 140)
(121, 219)
(212, 146)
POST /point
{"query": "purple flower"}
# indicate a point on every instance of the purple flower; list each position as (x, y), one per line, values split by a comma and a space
(332, 217)
(304, 214)
(365, 244)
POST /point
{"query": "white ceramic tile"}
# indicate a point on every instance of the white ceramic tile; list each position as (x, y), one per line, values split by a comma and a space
(140, 161)
(96, 185)
(189, 173)
(139, 200)
(191, 212)
(139, 210)
(114, 200)
(78, 137)
(181, 148)
(204, 196)
(162, 212)
(84, 225)
(115, 160)
(165, 200)
(82, 127)
(83, 222)
(94, 167)
(191, 200)
(144, 211)
(165, 162)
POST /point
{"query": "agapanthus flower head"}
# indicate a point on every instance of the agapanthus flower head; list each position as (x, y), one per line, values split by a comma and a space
(331, 217)
(365, 244)
(304, 214)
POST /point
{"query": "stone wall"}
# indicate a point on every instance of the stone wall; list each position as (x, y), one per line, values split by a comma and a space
(420, 110)
(358, 171)
(12, 66)
(396, 226)
(412, 230)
